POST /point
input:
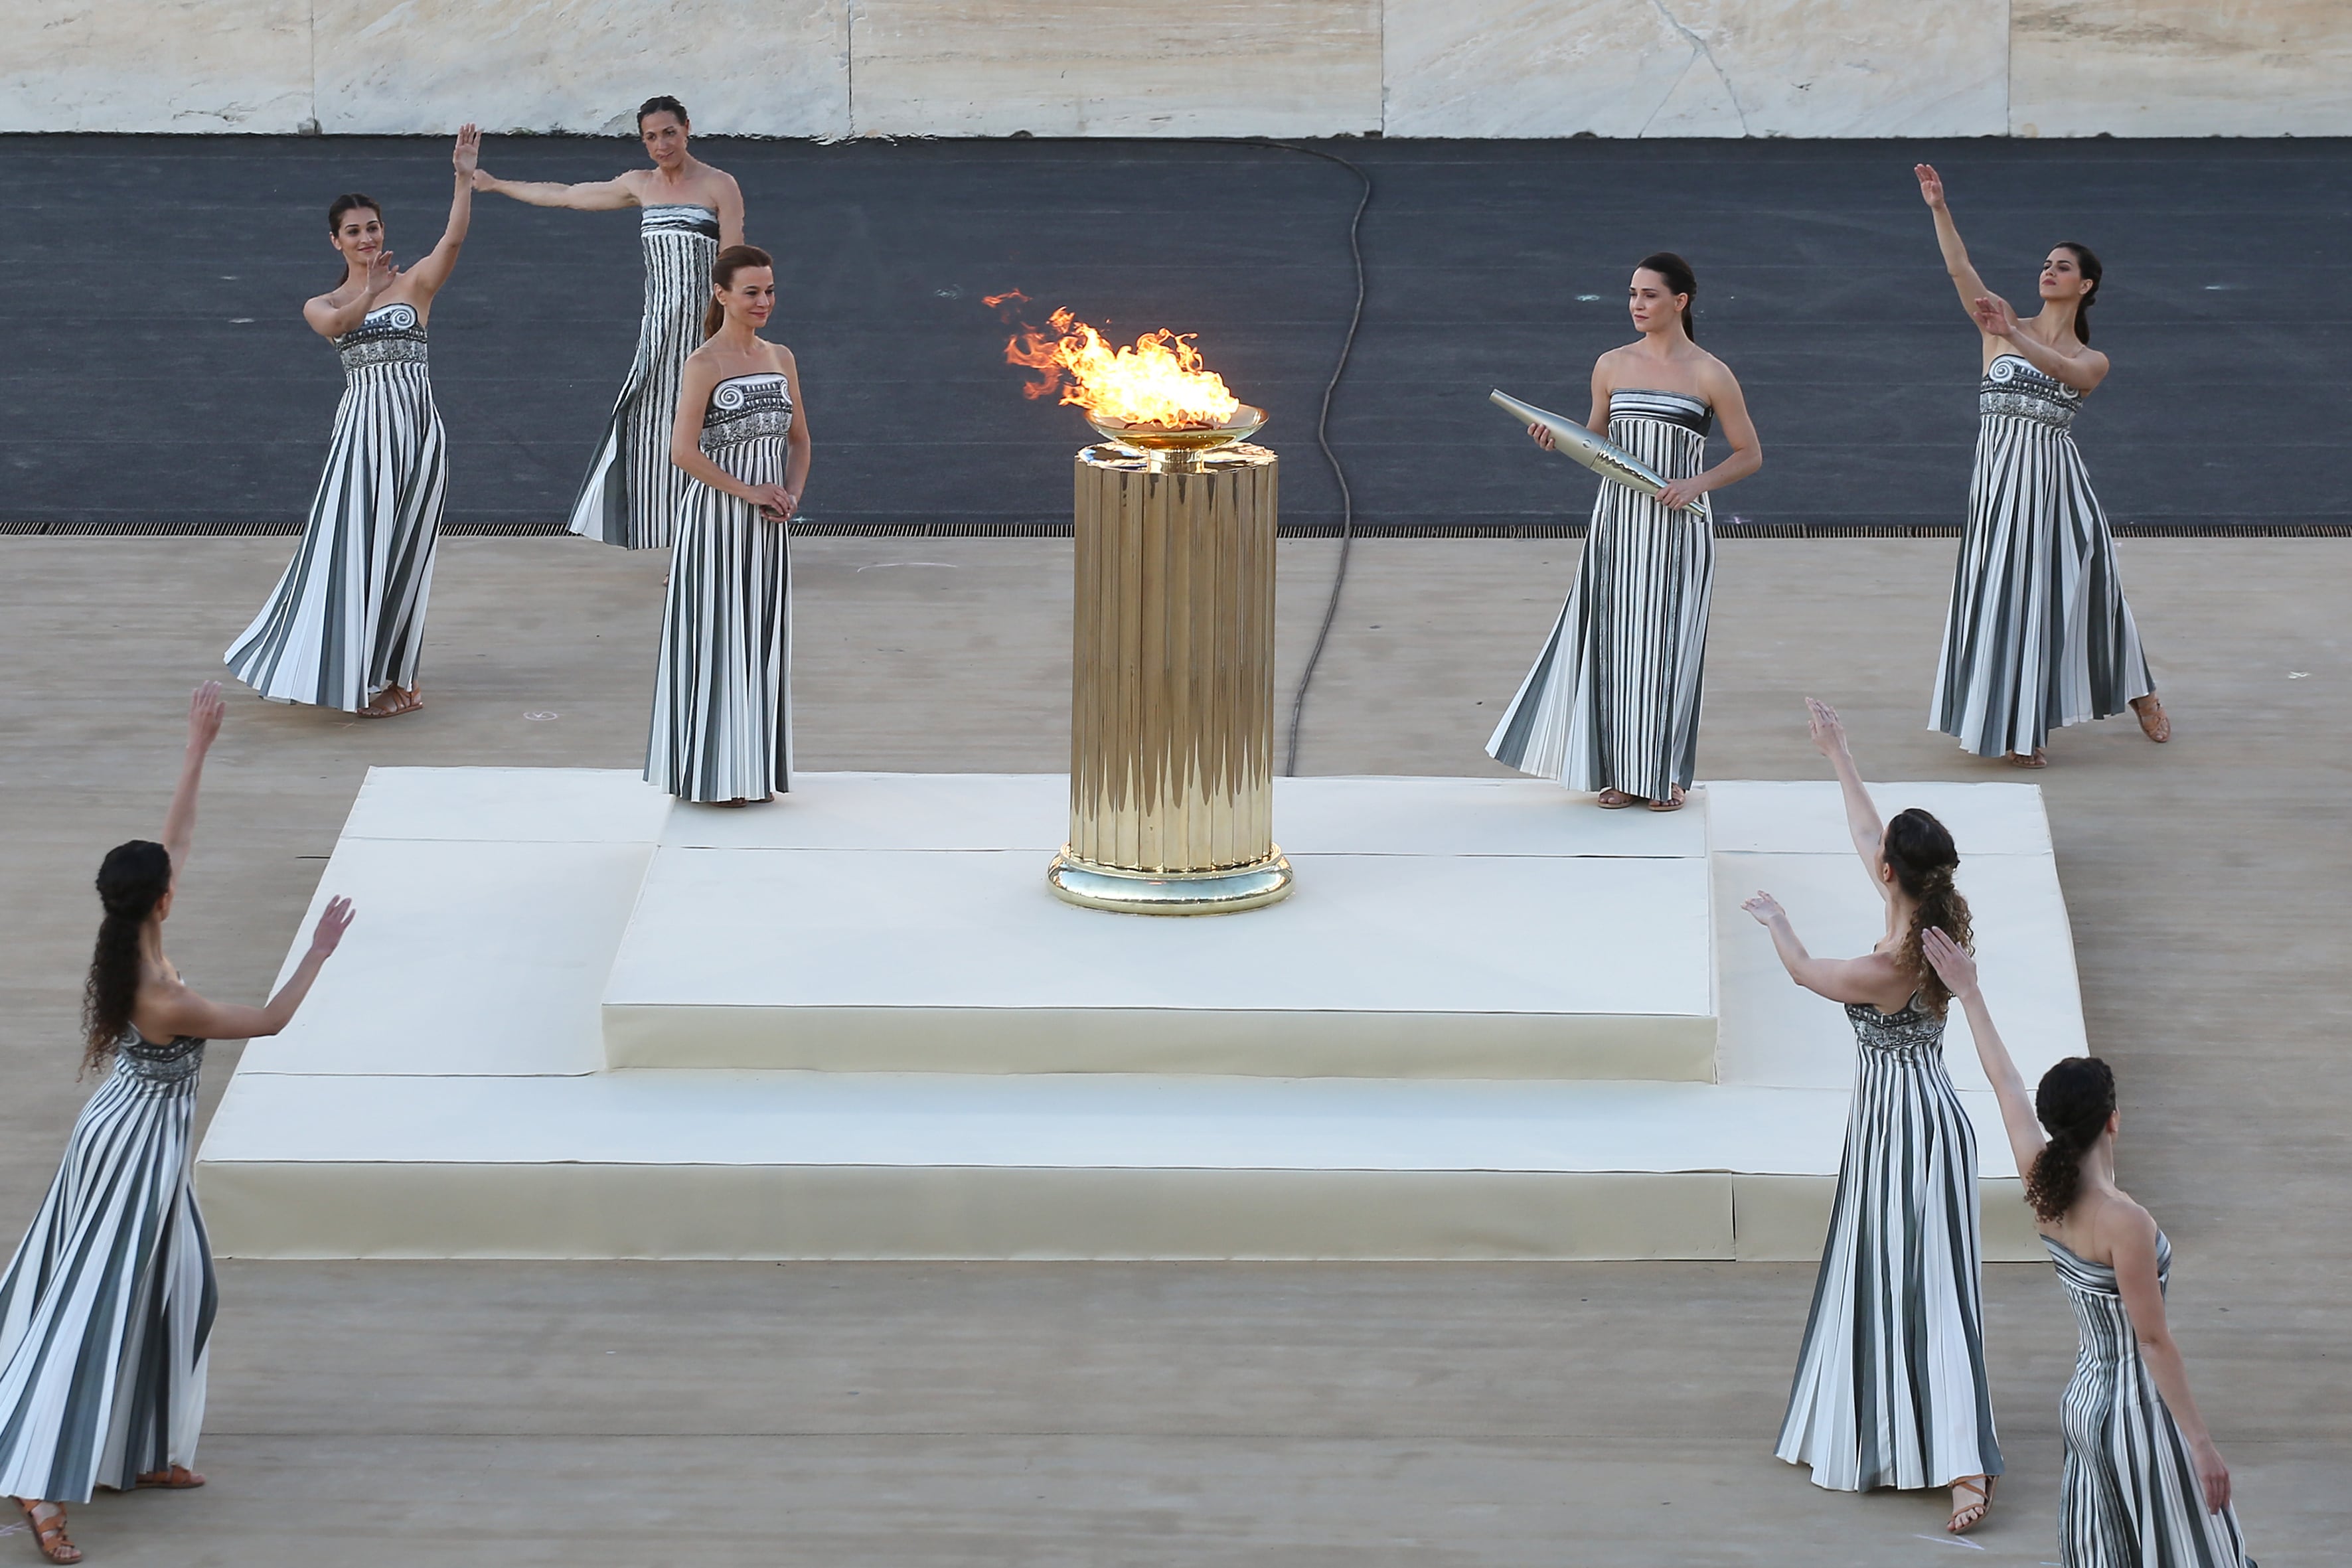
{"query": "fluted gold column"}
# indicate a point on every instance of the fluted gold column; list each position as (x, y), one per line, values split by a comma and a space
(1171, 690)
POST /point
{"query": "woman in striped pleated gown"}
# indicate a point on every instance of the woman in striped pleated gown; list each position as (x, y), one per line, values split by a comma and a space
(1613, 702)
(345, 627)
(722, 723)
(107, 1308)
(2038, 635)
(1891, 1389)
(2144, 1486)
(634, 496)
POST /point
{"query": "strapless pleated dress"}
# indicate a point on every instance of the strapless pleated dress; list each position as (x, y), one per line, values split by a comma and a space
(2037, 636)
(106, 1311)
(722, 724)
(1891, 1389)
(634, 494)
(2129, 1498)
(1613, 698)
(347, 619)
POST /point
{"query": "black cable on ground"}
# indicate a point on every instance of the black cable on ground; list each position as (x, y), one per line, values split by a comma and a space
(1323, 440)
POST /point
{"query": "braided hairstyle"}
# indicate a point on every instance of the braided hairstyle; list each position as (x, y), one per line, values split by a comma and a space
(2074, 1101)
(1918, 849)
(132, 881)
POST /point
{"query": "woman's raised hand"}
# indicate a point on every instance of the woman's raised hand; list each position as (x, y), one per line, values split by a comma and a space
(1994, 317)
(1828, 730)
(1931, 184)
(1950, 962)
(204, 711)
(380, 273)
(332, 923)
(1766, 908)
(468, 157)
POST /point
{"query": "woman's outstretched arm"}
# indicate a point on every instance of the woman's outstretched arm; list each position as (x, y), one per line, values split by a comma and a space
(179, 1011)
(204, 711)
(1959, 971)
(427, 276)
(1862, 822)
(588, 196)
(1869, 979)
(1947, 239)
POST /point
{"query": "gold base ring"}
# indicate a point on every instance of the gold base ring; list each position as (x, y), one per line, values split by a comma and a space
(1225, 892)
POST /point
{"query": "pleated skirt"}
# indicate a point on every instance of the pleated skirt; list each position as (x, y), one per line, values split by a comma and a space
(1612, 702)
(107, 1309)
(722, 721)
(2037, 636)
(347, 618)
(1891, 1387)
(634, 495)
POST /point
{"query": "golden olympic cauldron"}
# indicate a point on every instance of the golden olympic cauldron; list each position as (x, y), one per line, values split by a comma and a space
(1171, 690)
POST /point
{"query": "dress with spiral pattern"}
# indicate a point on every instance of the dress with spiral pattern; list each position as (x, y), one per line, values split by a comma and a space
(1890, 1388)
(347, 619)
(634, 495)
(2037, 636)
(722, 724)
(2129, 1496)
(107, 1309)
(1613, 699)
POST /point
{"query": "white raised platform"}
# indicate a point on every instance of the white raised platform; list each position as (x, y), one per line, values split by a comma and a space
(1492, 1022)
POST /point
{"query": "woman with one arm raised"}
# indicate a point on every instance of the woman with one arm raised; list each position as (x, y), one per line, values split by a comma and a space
(2038, 635)
(2143, 1483)
(106, 1311)
(688, 212)
(1890, 1388)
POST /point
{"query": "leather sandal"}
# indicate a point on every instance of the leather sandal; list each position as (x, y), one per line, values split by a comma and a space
(50, 1532)
(1612, 799)
(392, 702)
(178, 1479)
(1969, 1515)
(1671, 803)
(2039, 759)
(2153, 721)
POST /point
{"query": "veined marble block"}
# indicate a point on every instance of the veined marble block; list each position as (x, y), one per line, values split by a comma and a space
(1696, 67)
(2181, 67)
(1113, 68)
(394, 67)
(160, 66)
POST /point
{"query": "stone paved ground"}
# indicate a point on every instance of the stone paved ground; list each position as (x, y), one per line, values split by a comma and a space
(868, 1414)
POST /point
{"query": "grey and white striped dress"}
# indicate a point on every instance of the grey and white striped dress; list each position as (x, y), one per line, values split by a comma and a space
(1890, 1388)
(2038, 635)
(2128, 1496)
(107, 1309)
(722, 726)
(347, 619)
(634, 495)
(1613, 699)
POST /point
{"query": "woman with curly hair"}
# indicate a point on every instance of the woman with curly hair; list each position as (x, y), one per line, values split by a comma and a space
(1891, 1389)
(107, 1308)
(2143, 1481)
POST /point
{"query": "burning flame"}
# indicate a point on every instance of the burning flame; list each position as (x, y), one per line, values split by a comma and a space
(1159, 381)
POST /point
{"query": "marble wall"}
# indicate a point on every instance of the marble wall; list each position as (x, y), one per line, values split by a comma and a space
(1117, 67)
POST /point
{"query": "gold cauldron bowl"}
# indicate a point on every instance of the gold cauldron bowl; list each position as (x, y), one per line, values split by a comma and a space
(1178, 445)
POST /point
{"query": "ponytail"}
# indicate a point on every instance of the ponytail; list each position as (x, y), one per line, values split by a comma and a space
(1920, 852)
(2072, 1101)
(131, 881)
(731, 260)
(2092, 272)
(1680, 279)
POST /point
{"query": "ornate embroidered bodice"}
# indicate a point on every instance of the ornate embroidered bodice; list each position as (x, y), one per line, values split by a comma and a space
(745, 409)
(2013, 389)
(1913, 1034)
(391, 334)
